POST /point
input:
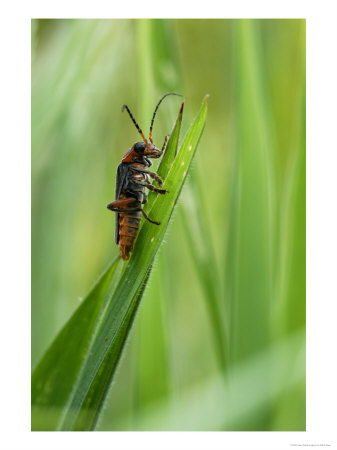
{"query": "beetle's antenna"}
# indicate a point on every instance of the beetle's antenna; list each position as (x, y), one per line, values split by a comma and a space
(133, 120)
(155, 112)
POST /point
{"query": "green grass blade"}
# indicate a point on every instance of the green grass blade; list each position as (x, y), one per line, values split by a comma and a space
(202, 252)
(249, 268)
(77, 400)
(93, 402)
(172, 146)
(54, 376)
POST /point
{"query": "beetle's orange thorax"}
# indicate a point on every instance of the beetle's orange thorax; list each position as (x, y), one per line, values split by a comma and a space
(130, 156)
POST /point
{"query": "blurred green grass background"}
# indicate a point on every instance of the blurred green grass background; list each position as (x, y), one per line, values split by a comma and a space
(219, 339)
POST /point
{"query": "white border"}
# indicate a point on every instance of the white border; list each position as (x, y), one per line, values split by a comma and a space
(321, 224)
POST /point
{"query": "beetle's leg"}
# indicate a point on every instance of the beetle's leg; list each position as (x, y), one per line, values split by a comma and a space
(120, 210)
(121, 204)
(152, 188)
(153, 175)
(119, 207)
(156, 178)
(148, 218)
(149, 186)
(165, 143)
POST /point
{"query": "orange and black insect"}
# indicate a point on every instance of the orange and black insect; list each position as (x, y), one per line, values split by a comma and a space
(131, 182)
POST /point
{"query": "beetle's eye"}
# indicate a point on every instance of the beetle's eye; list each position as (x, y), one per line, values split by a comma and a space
(139, 147)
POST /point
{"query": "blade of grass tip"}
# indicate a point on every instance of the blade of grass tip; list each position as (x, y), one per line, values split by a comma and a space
(179, 169)
(123, 303)
(54, 376)
(172, 146)
(168, 157)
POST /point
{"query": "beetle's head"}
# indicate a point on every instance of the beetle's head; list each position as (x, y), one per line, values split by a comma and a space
(149, 150)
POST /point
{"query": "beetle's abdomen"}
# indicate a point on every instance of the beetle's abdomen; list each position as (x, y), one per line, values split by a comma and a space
(128, 228)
